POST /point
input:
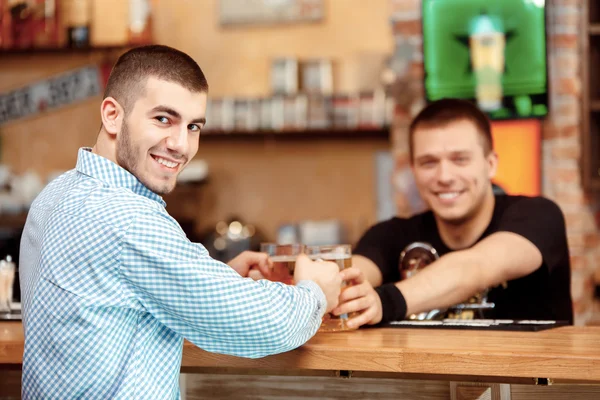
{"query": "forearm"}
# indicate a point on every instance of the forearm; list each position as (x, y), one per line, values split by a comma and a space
(210, 304)
(277, 319)
(450, 280)
(243, 317)
(369, 269)
(461, 274)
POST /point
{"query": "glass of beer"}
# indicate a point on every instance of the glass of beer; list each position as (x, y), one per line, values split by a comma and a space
(283, 257)
(341, 254)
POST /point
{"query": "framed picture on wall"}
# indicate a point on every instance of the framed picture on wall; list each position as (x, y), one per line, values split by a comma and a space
(262, 12)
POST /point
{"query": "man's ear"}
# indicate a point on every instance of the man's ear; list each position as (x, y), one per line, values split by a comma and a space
(112, 115)
(492, 160)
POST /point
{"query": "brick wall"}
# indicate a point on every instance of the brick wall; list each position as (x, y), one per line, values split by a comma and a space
(561, 148)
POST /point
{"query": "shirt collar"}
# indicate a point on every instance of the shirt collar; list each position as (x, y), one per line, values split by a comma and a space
(112, 174)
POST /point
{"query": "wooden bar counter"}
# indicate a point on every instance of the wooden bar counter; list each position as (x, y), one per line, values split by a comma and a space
(463, 364)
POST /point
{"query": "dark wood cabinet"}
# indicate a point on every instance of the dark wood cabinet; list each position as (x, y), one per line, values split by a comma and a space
(590, 69)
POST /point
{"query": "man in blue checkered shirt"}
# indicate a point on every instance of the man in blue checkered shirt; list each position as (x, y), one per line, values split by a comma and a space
(111, 285)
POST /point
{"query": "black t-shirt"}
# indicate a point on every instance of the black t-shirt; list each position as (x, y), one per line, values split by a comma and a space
(544, 294)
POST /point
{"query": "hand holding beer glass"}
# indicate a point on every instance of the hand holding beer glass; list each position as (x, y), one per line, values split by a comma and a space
(341, 255)
(291, 265)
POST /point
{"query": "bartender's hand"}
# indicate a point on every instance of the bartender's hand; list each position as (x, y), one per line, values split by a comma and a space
(326, 274)
(250, 260)
(361, 297)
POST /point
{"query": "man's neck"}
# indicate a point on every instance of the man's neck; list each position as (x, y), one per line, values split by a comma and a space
(464, 235)
(105, 147)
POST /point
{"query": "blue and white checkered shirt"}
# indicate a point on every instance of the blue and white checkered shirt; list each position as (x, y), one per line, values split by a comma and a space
(111, 286)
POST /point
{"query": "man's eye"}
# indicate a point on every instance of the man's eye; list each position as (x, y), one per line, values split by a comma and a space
(194, 128)
(163, 120)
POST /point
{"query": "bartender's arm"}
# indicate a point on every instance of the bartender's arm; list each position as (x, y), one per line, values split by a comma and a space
(452, 279)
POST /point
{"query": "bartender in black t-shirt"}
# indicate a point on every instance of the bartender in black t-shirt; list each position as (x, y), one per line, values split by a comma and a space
(515, 246)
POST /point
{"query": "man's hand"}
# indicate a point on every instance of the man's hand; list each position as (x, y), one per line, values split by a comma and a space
(326, 274)
(248, 260)
(361, 297)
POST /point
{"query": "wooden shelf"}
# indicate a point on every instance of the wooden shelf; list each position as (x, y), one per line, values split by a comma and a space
(62, 50)
(334, 133)
(590, 58)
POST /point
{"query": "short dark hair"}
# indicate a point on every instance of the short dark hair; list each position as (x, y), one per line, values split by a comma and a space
(133, 68)
(446, 111)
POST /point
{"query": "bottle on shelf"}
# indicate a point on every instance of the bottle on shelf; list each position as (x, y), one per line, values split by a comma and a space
(20, 20)
(140, 22)
(3, 24)
(46, 24)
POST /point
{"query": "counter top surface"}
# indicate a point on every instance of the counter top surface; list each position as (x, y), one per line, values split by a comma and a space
(569, 353)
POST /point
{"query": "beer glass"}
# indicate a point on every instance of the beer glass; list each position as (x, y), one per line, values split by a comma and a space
(283, 257)
(341, 255)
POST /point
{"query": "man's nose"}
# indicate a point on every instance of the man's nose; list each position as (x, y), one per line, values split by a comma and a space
(444, 172)
(178, 141)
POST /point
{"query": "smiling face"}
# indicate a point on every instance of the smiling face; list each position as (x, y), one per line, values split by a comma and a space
(160, 134)
(452, 171)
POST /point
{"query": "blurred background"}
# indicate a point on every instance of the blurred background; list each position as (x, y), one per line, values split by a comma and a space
(310, 100)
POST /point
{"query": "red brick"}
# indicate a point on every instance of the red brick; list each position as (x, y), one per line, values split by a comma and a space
(401, 160)
(568, 85)
(577, 263)
(570, 131)
(551, 131)
(591, 240)
(404, 28)
(401, 115)
(564, 40)
(417, 71)
(399, 139)
(581, 306)
(569, 152)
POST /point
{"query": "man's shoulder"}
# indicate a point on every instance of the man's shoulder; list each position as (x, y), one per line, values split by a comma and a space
(401, 224)
(535, 204)
(120, 206)
(75, 195)
(397, 221)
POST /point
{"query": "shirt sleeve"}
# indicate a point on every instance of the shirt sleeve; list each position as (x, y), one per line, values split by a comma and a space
(540, 221)
(208, 302)
(380, 244)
